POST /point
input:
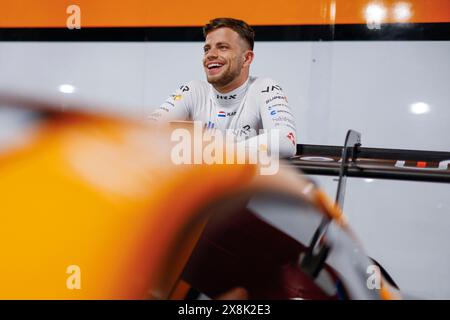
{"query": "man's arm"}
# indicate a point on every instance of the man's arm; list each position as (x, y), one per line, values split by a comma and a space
(176, 106)
(276, 114)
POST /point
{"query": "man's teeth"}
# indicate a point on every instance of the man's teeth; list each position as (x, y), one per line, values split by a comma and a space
(213, 65)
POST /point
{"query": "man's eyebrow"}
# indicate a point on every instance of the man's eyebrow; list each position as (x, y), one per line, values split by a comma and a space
(207, 46)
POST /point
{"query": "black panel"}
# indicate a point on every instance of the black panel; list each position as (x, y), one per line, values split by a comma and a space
(344, 32)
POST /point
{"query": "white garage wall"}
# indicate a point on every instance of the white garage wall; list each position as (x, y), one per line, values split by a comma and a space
(373, 85)
(332, 87)
(110, 74)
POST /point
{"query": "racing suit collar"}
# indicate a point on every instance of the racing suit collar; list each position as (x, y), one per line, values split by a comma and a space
(232, 97)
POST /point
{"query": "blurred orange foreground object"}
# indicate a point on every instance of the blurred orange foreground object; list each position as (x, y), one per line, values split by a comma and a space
(92, 206)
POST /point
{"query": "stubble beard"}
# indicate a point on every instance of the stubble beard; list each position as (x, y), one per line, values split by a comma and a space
(226, 78)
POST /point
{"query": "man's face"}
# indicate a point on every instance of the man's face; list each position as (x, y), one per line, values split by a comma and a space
(223, 59)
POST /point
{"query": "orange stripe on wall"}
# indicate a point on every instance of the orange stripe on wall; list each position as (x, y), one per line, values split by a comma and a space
(127, 13)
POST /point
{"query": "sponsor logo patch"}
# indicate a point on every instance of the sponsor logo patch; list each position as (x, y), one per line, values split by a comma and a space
(284, 119)
(271, 88)
(209, 125)
(230, 97)
(223, 114)
(275, 98)
(184, 88)
(291, 137)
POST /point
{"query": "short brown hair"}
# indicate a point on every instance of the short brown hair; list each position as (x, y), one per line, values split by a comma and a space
(239, 26)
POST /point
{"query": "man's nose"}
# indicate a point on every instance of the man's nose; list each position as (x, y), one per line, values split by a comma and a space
(212, 53)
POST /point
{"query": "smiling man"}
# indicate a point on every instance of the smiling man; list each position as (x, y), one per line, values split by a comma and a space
(231, 99)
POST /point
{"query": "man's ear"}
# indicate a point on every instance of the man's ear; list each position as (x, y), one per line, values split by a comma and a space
(248, 58)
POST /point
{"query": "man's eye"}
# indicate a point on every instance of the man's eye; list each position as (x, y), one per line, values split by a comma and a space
(223, 47)
(205, 50)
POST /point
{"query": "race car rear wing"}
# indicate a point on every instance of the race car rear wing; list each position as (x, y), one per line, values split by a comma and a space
(362, 162)
(352, 160)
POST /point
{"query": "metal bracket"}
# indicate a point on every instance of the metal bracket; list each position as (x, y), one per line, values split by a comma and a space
(312, 263)
(350, 151)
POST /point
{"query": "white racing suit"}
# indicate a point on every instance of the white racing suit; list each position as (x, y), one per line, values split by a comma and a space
(258, 104)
